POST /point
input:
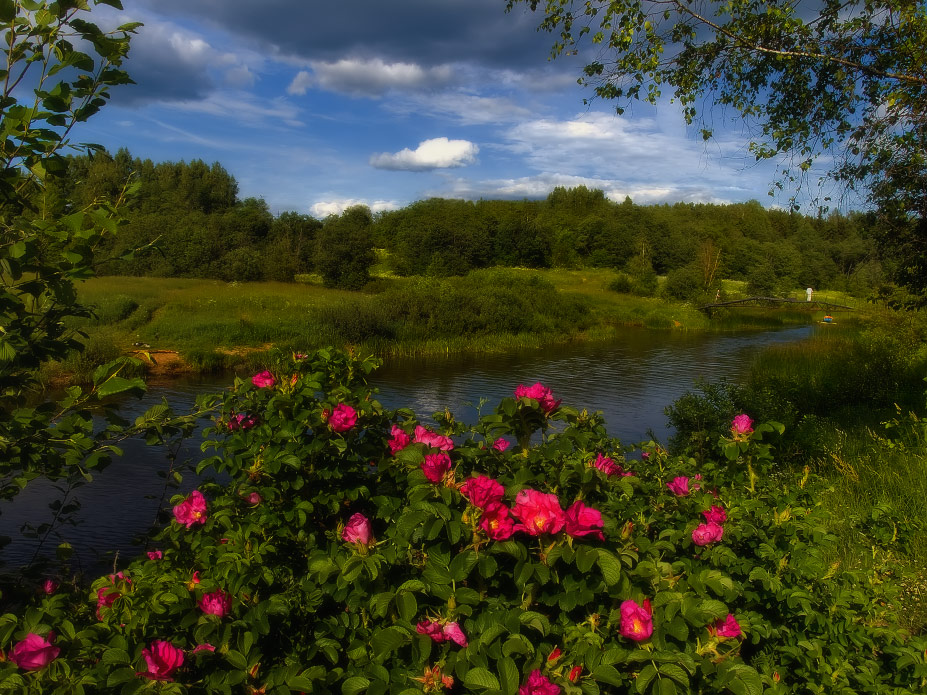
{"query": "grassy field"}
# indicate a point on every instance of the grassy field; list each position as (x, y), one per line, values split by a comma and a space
(205, 325)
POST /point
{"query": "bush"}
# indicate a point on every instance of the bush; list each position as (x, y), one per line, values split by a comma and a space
(684, 284)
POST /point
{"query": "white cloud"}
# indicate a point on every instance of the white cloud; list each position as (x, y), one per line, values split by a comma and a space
(244, 107)
(239, 76)
(463, 108)
(437, 153)
(368, 78)
(324, 208)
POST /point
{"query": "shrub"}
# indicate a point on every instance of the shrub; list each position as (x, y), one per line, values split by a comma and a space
(684, 284)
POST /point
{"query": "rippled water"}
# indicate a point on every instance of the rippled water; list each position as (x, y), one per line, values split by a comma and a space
(630, 380)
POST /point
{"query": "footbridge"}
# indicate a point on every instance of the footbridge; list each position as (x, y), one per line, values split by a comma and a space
(797, 304)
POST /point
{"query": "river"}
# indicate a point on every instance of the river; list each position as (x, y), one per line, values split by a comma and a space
(631, 380)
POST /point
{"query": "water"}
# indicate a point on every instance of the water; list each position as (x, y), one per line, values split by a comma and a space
(631, 380)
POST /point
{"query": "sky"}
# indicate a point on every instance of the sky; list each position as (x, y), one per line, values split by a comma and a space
(318, 106)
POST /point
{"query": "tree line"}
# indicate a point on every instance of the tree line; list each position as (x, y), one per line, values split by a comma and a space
(193, 224)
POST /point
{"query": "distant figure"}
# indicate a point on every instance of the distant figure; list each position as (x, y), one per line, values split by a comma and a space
(809, 293)
(718, 295)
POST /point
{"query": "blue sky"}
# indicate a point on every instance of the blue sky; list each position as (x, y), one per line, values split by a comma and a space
(315, 106)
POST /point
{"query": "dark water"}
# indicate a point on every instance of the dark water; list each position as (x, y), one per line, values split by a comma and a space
(630, 380)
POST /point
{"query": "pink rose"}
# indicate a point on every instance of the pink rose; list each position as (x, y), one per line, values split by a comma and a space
(435, 466)
(539, 393)
(162, 659)
(34, 652)
(539, 684)
(433, 439)
(679, 486)
(500, 445)
(264, 380)
(399, 441)
(432, 629)
(728, 628)
(242, 422)
(742, 425)
(357, 530)
(453, 632)
(481, 491)
(575, 673)
(155, 555)
(206, 647)
(343, 418)
(49, 586)
(107, 595)
(609, 467)
(192, 510)
(539, 512)
(715, 515)
(253, 498)
(636, 620)
(216, 603)
(583, 521)
(497, 523)
(645, 455)
(703, 534)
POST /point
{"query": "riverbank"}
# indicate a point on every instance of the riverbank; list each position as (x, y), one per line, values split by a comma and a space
(197, 326)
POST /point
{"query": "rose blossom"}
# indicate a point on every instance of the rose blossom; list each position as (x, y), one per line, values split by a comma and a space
(540, 393)
(703, 534)
(583, 521)
(729, 627)
(34, 652)
(155, 555)
(453, 632)
(609, 467)
(432, 629)
(679, 486)
(205, 647)
(192, 510)
(481, 491)
(636, 620)
(497, 523)
(343, 418)
(253, 498)
(216, 603)
(241, 422)
(399, 441)
(49, 586)
(107, 595)
(357, 530)
(539, 684)
(500, 445)
(574, 673)
(539, 512)
(742, 424)
(433, 439)
(162, 658)
(715, 515)
(435, 466)
(264, 380)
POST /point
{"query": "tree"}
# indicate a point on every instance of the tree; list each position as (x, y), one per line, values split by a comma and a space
(344, 252)
(842, 78)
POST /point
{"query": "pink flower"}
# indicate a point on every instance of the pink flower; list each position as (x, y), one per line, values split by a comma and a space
(155, 555)
(49, 586)
(679, 486)
(539, 684)
(34, 652)
(264, 380)
(636, 620)
(253, 498)
(554, 655)
(500, 445)
(481, 491)
(583, 521)
(206, 647)
(433, 439)
(107, 595)
(435, 466)
(539, 512)
(742, 425)
(432, 629)
(497, 523)
(453, 632)
(216, 603)
(715, 515)
(357, 530)
(399, 441)
(645, 455)
(343, 418)
(728, 628)
(539, 393)
(242, 422)
(703, 534)
(574, 673)
(192, 510)
(162, 658)
(609, 467)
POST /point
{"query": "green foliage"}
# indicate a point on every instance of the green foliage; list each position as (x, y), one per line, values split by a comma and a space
(685, 284)
(344, 249)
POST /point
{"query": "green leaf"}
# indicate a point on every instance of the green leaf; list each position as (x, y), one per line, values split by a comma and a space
(406, 605)
(387, 640)
(675, 672)
(746, 681)
(118, 384)
(610, 566)
(462, 564)
(647, 674)
(608, 674)
(354, 685)
(508, 673)
(480, 677)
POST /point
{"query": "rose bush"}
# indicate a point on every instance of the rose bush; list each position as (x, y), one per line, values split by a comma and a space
(384, 552)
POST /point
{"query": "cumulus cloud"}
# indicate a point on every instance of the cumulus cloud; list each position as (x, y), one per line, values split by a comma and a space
(437, 153)
(324, 208)
(369, 78)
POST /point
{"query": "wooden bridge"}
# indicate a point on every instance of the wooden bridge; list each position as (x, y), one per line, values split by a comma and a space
(800, 304)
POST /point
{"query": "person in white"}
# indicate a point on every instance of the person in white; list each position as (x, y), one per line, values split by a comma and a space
(808, 293)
